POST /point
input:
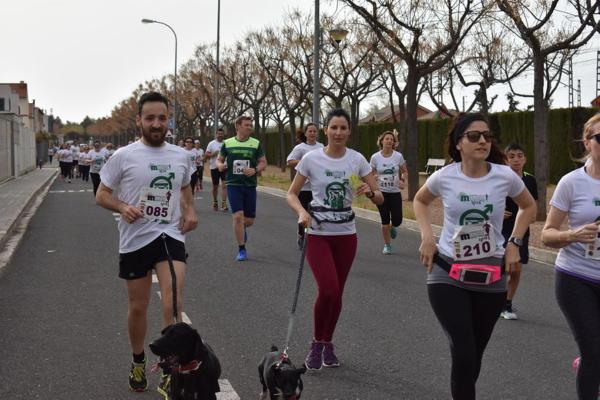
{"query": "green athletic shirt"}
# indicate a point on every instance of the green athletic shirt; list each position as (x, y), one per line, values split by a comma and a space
(238, 155)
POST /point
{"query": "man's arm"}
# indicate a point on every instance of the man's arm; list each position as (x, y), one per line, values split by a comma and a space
(189, 218)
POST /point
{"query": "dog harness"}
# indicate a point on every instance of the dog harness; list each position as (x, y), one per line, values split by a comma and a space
(187, 368)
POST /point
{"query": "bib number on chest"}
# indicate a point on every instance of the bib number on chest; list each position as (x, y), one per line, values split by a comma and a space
(388, 181)
(239, 165)
(474, 241)
(156, 203)
(592, 250)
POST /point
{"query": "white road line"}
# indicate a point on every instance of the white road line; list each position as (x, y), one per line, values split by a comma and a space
(154, 278)
(71, 191)
(227, 392)
(116, 214)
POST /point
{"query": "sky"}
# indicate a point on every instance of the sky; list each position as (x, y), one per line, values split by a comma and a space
(82, 57)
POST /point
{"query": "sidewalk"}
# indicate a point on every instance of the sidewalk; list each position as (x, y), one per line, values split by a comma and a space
(17, 194)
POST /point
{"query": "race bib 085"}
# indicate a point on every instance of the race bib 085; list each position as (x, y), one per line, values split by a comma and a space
(156, 204)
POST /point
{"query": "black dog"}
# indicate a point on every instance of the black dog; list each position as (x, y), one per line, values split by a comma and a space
(280, 377)
(192, 364)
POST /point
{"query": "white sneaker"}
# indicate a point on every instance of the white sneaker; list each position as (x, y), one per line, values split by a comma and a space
(508, 315)
(387, 249)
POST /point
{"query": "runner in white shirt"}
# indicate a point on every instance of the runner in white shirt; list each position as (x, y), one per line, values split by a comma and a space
(76, 149)
(199, 164)
(192, 154)
(307, 141)
(148, 183)
(98, 158)
(390, 169)
(65, 161)
(85, 161)
(577, 197)
(212, 153)
(466, 282)
(336, 174)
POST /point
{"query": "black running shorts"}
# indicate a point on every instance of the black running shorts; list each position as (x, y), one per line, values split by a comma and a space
(135, 265)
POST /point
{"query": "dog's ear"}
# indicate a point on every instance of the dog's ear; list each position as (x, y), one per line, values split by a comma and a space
(301, 370)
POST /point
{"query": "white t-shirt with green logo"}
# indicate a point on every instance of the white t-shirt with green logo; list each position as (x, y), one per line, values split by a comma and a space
(192, 154)
(388, 171)
(298, 152)
(331, 189)
(578, 194)
(473, 200)
(138, 166)
(214, 147)
(98, 160)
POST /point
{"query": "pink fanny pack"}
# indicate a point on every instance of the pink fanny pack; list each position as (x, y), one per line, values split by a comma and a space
(475, 274)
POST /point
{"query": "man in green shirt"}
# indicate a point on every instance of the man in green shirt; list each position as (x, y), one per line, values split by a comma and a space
(243, 158)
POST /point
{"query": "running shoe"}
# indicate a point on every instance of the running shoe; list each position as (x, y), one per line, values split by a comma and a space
(241, 256)
(387, 249)
(224, 207)
(137, 377)
(508, 314)
(163, 385)
(393, 232)
(329, 358)
(314, 359)
(215, 206)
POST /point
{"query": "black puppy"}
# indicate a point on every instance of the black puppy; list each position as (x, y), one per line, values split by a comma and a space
(279, 377)
(192, 364)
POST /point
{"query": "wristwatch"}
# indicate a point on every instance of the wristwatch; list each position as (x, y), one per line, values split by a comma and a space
(370, 195)
(516, 241)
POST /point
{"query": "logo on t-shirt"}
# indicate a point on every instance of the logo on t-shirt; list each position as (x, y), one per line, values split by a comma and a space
(335, 193)
(475, 216)
(163, 182)
(596, 201)
(160, 168)
(474, 199)
(335, 174)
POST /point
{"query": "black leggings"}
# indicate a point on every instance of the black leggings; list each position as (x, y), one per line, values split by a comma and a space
(194, 181)
(95, 181)
(579, 301)
(468, 319)
(66, 169)
(305, 198)
(391, 206)
(85, 172)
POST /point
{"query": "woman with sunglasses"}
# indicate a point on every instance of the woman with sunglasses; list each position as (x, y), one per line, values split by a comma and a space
(336, 175)
(466, 281)
(577, 196)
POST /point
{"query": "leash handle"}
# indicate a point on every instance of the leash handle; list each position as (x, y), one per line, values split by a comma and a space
(296, 294)
(173, 277)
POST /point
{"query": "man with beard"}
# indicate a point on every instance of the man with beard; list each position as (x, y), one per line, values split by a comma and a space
(152, 183)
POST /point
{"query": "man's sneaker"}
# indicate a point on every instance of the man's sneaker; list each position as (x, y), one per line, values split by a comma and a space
(508, 314)
(241, 256)
(137, 377)
(393, 232)
(387, 249)
(163, 385)
(215, 206)
(314, 359)
(329, 358)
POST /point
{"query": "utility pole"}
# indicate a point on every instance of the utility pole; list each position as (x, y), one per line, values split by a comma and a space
(570, 73)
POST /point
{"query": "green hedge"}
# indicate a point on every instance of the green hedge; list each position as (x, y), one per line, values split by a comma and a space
(565, 128)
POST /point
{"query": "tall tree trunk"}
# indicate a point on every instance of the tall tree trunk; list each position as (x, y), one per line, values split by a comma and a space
(354, 132)
(281, 147)
(412, 136)
(540, 137)
(292, 115)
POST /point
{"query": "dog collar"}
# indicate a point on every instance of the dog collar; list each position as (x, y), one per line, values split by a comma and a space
(188, 368)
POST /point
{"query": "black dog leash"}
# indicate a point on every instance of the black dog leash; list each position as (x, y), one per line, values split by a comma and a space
(173, 277)
(296, 295)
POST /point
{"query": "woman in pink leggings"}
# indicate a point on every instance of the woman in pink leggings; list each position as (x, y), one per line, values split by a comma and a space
(336, 173)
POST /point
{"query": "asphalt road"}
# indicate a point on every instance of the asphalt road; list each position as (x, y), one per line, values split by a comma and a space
(63, 329)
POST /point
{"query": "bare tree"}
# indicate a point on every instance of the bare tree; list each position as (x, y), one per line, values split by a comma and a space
(551, 33)
(425, 35)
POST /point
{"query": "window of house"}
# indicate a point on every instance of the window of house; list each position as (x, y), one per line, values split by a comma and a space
(2, 104)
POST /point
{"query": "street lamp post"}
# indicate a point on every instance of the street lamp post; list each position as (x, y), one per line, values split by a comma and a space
(217, 79)
(175, 104)
(336, 36)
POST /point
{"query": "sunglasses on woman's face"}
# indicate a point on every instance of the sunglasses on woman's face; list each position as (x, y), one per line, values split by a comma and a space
(474, 136)
(597, 137)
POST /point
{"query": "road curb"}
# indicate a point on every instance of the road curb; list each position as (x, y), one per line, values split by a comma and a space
(540, 255)
(26, 204)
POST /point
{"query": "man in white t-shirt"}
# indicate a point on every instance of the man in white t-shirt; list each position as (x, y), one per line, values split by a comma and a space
(199, 164)
(148, 183)
(212, 152)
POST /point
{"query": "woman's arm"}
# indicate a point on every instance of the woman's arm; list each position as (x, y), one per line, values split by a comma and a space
(428, 247)
(370, 186)
(525, 216)
(553, 237)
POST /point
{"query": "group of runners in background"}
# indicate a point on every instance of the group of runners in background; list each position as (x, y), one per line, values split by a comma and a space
(473, 270)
